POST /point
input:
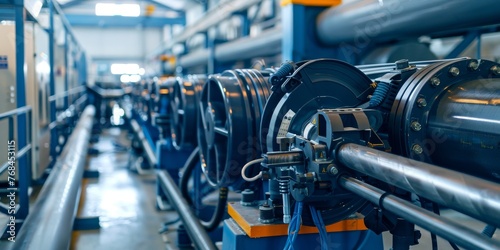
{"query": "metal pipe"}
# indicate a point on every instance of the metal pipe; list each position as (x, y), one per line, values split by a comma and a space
(193, 226)
(444, 227)
(367, 21)
(50, 223)
(211, 18)
(266, 43)
(475, 197)
(150, 154)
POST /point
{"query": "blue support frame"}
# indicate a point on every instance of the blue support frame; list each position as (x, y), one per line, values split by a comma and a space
(23, 167)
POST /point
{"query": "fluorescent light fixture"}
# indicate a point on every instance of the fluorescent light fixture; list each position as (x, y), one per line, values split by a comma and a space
(141, 71)
(121, 69)
(112, 9)
(130, 78)
(125, 78)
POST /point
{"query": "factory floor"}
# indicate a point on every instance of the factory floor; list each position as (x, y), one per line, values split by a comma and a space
(124, 200)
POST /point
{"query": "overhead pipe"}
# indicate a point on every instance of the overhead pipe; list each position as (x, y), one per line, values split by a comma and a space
(470, 195)
(266, 43)
(365, 21)
(50, 224)
(447, 228)
(211, 18)
(190, 221)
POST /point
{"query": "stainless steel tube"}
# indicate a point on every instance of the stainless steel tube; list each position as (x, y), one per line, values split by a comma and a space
(365, 21)
(150, 154)
(50, 222)
(467, 194)
(195, 230)
(444, 227)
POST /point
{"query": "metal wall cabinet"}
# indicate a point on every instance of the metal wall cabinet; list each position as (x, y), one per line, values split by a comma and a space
(37, 111)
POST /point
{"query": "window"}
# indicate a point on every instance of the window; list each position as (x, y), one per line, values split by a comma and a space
(112, 9)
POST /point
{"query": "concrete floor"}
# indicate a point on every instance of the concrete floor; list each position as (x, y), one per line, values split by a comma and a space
(125, 202)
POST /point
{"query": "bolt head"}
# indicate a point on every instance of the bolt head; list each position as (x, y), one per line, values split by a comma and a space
(421, 102)
(333, 170)
(416, 126)
(417, 149)
(473, 65)
(435, 81)
(495, 70)
(454, 71)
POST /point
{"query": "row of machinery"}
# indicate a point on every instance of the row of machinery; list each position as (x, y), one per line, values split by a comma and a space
(322, 152)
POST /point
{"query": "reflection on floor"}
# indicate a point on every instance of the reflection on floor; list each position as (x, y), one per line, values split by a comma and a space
(124, 201)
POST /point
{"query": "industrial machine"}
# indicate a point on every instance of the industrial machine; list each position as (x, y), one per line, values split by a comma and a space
(336, 142)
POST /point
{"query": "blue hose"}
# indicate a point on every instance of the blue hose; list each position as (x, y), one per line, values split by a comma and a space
(380, 93)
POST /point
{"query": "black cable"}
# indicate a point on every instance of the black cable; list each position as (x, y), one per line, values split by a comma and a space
(220, 209)
(189, 166)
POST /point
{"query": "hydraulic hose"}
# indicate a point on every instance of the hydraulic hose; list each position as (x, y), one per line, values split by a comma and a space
(220, 208)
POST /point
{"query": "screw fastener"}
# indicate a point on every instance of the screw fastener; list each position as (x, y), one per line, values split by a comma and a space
(417, 149)
(435, 81)
(421, 102)
(473, 65)
(495, 70)
(454, 71)
(416, 126)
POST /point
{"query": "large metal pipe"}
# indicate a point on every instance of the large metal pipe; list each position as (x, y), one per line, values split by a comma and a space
(364, 21)
(50, 222)
(193, 226)
(444, 227)
(266, 43)
(467, 194)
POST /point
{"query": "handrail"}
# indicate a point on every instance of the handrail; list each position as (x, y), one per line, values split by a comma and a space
(17, 111)
(67, 93)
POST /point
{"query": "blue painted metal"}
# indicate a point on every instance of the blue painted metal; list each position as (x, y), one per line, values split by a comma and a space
(121, 21)
(7, 13)
(72, 4)
(66, 67)
(235, 238)
(464, 44)
(299, 40)
(23, 167)
(52, 85)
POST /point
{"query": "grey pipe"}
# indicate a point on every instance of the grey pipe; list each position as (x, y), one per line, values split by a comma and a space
(444, 227)
(467, 194)
(195, 230)
(266, 43)
(209, 19)
(366, 21)
(50, 223)
(150, 154)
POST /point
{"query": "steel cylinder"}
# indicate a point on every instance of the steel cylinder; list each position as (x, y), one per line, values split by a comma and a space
(231, 104)
(185, 107)
(465, 126)
(366, 21)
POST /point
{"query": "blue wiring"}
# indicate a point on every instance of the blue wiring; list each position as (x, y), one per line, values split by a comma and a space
(294, 226)
(318, 221)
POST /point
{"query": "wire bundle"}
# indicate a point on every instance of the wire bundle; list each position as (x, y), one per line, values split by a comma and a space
(318, 221)
(294, 226)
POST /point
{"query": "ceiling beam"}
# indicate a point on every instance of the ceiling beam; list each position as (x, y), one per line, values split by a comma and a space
(121, 21)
